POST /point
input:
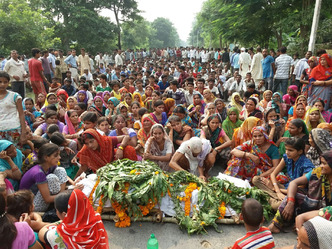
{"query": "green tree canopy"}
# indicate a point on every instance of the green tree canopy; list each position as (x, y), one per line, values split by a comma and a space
(163, 34)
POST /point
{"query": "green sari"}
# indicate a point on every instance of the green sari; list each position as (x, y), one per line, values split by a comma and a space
(228, 126)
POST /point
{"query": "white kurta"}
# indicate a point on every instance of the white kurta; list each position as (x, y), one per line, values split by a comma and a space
(256, 67)
(244, 61)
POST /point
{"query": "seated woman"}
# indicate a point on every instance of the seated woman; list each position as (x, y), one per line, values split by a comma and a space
(313, 118)
(30, 113)
(183, 114)
(169, 106)
(46, 179)
(196, 110)
(51, 98)
(277, 104)
(119, 125)
(326, 126)
(41, 98)
(220, 142)
(178, 132)
(294, 162)
(320, 142)
(275, 126)
(138, 98)
(236, 101)
(122, 109)
(251, 110)
(149, 104)
(144, 133)
(196, 156)
(256, 157)
(11, 160)
(320, 105)
(15, 234)
(159, 148)
(315, 195)
(71, 102)
(135, 106)
(81, 109)
(51, 117)
(290, 98)
(210, 109)
(244, 132)
(267, 96)
(74, 126)
(300, 99)
(296, 128)
(299, 113)
(98, 103)
(99, 150)
(231, 122)
(159, 116)
(112, 104)
(221, 108)
(79, 226)
(208, 96)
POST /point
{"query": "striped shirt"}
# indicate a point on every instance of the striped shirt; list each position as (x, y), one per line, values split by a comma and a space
(283, 63)
(260, 239)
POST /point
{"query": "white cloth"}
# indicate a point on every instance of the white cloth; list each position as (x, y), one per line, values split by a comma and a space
(256, 67)
(244, 61)
(9, 118)
(15, 68)
(283, 63)
(118, 60)
(238, 87)
(84, 63)
(300, 66)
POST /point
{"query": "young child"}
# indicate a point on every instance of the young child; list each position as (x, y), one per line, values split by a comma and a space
(49, 131)
(30, 112)
(12, 121)
(57, 73)
(257, 236)
(115, 92)
(178, 133)
(68, 87)
(159, 115)
(296, 163)
(103, 125)
(138, 123)
(55, 86)
(32, 160)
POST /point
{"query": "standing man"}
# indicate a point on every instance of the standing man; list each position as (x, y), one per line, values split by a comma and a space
(63, 65)
(118, 59)
(47, 68)
(51, 59)
(245, 61)
(72, 64)
(83, 62)
(37, 74)
(225, 57)
(268, 69)
(283, 64)
(3, 61)
(256, 66)
(15, 68)
(300, 66)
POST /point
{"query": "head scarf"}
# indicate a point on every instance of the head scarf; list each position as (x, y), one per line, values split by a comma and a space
(307, 118)
(244, 132)
(214, 136)
(82, 227)
(114, 100)
(274, 104)
(328, 157)
(46, 100)
(325, 126)
(319, 232)
(148, 86)
(207, 107)
(291, 99)
(73, 98)
(294, 114)
(63, 92)
(70, 126)
(101, 98)
(169, 103)
(228, 126)
(86, 96)
(211, 95)
(104, 93)
(322, 139)
(262, 130)
(142, 136)
(234, 103)
(203, 104)
(94, 108)
(314, 59)
(320, 72)
(264, 102)
(140, 98)
(299, 97)
(96, 159)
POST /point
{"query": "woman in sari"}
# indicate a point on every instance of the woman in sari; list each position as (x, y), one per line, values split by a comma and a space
(183, 114)
(30, 112)
(106, 95)
(159, 147)
(326, 126)
(112, 104)
(221, 109)
(137, 97)
(327, 115)
(304, 80)
(196, 110)
(299, 113)
(290, 98)
(243, 133)
(236, 101)
(169, 106)
(219, 140)
(99, 103)
(144, 133)
(178, 132)
(51, 98)
(99, 150)
(320, 142)
(267, 96)
(71, 102)
(278, 105)
(251, 109)
(274, 125)
(316, 194)
(82, 96)
(320, 86)
(313, 118)
(80, 226)
(208, 96)
(74, 126)
(122, 109)
(232, 122)
(257, 157)
(148, 93)
(300, 99)
(209, 111)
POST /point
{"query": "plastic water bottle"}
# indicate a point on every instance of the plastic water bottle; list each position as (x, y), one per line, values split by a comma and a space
(152, 243)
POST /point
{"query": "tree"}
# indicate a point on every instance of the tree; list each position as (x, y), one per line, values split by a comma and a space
(136, 34)
(21, 28)
(164, 32)
(124, 11)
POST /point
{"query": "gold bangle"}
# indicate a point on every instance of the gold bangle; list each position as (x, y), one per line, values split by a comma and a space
(120, 148)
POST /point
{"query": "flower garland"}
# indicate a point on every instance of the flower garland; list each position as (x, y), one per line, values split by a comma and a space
(146, 209)
(124, 219)
(222, 210)
(93, 190)
(187, 198)
(100, 204)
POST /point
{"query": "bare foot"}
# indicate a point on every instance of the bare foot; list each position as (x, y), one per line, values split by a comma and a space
(273, 228)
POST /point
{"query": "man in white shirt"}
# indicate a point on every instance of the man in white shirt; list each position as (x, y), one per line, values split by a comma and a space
(118, 59)
(283, 64)
(256, 66)
(300, 66)
(238, 86)
(244, 61)
(15, 68)
(83, 62)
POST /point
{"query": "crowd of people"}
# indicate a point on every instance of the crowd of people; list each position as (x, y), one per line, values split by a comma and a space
(256, 114)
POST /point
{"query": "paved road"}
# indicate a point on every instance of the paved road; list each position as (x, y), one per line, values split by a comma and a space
(170, 236)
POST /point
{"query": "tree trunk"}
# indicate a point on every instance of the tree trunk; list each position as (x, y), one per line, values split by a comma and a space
(116, 14)
(279, 38)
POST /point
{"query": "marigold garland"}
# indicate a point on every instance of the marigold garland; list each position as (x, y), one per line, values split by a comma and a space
(187, 198)
(146, 209)
(124, 219)
(222, 210)
(101, 204)
(93, 190)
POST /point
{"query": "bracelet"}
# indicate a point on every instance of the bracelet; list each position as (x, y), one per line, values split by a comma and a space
(120, 148)
(275, 183)
(291, 199)
(14, 169)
